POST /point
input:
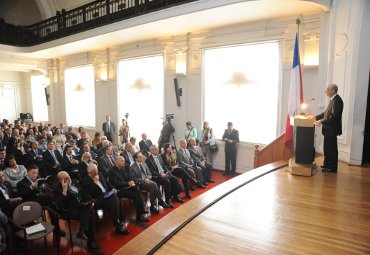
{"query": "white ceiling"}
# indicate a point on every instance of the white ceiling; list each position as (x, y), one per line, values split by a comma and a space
(188, 18)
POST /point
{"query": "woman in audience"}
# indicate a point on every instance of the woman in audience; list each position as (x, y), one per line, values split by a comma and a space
(190, 132)
(207, 135)
(169, 159)
(14, 173)
(59, 137)
(124, 131)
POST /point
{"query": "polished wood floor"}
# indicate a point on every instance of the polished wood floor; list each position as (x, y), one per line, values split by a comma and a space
(277, 213)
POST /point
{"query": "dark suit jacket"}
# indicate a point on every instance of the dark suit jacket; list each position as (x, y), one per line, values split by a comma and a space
(119, 178)
(25, 190)
(31, 157)
(153, 166)
(135, 173)
(145, 147)
(92, 190)
(49, 161)
(332, 117)
(127, 159)
(71, 200)
(105, 164)
(234, 136)
(195, 154)
(3, 201)
(67, 165)
(111, 132)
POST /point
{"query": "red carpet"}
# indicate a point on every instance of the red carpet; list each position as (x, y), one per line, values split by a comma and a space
(107, 239)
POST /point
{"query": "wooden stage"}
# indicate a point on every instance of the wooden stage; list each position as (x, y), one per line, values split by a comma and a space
(269, 211)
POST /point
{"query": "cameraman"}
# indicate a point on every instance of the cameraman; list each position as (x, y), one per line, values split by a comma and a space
(166, 132)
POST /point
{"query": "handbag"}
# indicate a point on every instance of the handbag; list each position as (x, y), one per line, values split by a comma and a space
(213, 147)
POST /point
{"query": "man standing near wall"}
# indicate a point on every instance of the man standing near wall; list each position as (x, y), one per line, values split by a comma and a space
(109, 129)
(331, 121)
(231, 138)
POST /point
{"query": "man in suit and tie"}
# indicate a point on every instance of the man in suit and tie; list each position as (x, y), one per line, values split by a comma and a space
(8, 200)
(52, 159)
(34, 156)
(2, 158)
(145, 144)
(106, 162)
(109, 129)
(120, 179)
(231, 138)
(331, 121)
(96, 187)
(140, 174)
(128, 154)
(163, 176)
(186, 162)
(69, 162)
(197, 155)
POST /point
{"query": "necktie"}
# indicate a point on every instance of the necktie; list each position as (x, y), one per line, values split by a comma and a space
(5, 191)
(111, 160)
(160, 169)
(36, 152)
(142, 172)
(108, 126)
(130, 157)
(53, 155)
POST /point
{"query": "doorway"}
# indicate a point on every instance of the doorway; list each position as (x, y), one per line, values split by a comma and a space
(366, 148)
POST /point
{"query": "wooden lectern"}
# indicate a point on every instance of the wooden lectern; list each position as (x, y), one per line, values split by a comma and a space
(303, 162)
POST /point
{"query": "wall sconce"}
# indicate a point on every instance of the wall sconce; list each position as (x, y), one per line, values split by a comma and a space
(311, 49)
(181, 61)
(104, 72)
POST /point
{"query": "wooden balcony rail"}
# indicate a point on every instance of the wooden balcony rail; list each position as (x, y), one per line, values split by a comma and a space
(88, 16)
(273, 152)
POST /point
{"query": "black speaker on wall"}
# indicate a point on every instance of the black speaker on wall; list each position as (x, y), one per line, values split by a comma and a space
(178, 92)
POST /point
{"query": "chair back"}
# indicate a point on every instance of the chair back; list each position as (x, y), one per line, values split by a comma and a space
(27, 212)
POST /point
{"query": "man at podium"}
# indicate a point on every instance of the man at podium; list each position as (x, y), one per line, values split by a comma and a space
(331, 121)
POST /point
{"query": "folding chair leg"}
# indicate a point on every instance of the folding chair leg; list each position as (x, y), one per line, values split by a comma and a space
(70, 234)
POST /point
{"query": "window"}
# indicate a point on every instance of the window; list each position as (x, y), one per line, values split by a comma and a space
(140, 93)
(39, 103)
(80, 96)
(241, 86)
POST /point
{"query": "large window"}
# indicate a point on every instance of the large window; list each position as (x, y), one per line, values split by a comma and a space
(140, 93)
(241, 85)
(38, 92)
(80, 96)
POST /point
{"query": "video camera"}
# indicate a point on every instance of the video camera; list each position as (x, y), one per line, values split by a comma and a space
(170, 116)
(126, 115)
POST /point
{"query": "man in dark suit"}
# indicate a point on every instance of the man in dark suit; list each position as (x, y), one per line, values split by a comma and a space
(145, 144)
(82, 166)
(109, 129)
(331, 121)
(231, 138)
(162, 176)
(72, 203)
(29, 190)
(52, 159)
(128, 154)
(186, 162)
(2, 158)
(96, 187)
(118, 176)
(197, 156)
(69, 162)
(106, 162)
(8, 200)
(140, 174)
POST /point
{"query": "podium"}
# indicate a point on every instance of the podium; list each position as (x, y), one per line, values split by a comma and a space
(303, 162)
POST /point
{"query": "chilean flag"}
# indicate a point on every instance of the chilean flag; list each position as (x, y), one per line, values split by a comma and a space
(295, 94)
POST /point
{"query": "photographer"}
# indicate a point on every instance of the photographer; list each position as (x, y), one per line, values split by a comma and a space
(166, 131)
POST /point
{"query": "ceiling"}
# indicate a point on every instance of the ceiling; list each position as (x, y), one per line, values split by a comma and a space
(188, 18)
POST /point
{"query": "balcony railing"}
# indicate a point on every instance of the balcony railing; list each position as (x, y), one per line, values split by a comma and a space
(88, 16)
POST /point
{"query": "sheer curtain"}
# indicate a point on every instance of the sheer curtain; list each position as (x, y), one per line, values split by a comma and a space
(140, 93)
(241, 85)
(39, 105)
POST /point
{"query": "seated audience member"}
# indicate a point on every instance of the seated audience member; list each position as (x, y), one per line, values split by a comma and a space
(41, 128)
(145, 144)
(119, 177)
(59, 137)
(42, 143)
(86, 148)
(135, 147)
(84, 138)
(1, 138)
(102, 139)
(96, 186)
(163, 176)
(62, 129)
(3, 236)
(84, 162)
(140, 174)
(52, 159)
(104, 145)
(14, 172)
(29, 189)
(169, 159)
(197, 156)
(72, 133)
(21, 151)
(8, 200)
(75, 149)
(34, 156)
(69, 162)
(106, 162)
(2, 158)
(7, 136)
(128, 154)
(185, 161)
(70, 198)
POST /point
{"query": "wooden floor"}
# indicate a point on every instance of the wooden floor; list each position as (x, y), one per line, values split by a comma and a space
(276, 213)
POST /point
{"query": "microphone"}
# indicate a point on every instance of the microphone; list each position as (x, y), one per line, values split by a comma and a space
(304, 105)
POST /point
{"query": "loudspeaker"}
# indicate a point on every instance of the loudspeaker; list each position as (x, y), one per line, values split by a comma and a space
(178, 92)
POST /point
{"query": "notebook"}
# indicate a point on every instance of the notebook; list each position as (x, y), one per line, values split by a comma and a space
(35, 229)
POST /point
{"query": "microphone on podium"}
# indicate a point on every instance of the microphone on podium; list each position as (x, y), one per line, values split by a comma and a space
(304, 105)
